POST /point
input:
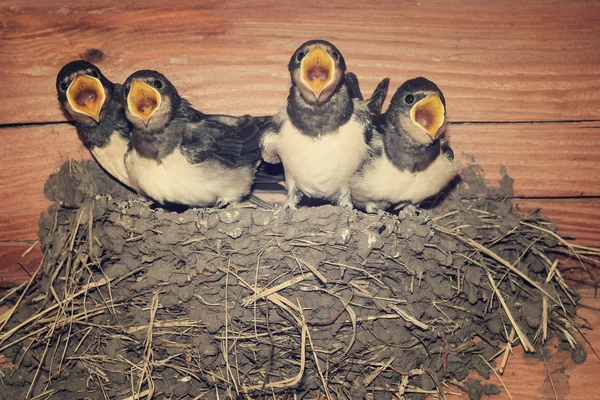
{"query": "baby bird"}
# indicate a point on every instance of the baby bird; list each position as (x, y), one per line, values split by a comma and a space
(94, 104)
(181, 155)
(409, 160)
(321, 136)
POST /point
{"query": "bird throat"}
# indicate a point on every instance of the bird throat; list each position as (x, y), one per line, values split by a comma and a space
(319, 119)
(406, 154)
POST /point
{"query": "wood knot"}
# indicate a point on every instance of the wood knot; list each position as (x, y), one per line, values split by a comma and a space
(92, 55)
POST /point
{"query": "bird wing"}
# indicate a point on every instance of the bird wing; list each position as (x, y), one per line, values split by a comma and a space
(269, 131)
(446, 150)
(233, 141)
(353, 86)
(375, 103)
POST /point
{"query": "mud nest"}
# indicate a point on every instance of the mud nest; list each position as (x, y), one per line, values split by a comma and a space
(134, 301)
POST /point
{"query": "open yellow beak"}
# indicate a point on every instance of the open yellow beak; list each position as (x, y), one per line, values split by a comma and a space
(429, 114)
(317, 70)
(86, 96)
(143, 100)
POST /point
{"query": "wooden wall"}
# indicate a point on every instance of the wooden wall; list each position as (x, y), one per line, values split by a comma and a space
(521, 78)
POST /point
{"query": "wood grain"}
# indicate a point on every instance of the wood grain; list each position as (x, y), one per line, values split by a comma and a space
(509, 61)
(577, 219)
(545, 160)
(29, 155)
(11, 255)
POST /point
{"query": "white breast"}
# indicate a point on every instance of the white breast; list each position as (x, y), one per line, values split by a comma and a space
(176, 180)
(111, 157)
(321, 166)
(383, 183)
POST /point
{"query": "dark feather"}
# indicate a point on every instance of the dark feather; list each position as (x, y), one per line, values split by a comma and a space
(353, 86)
(268, 178)
(232, 141)
(448, 153)
(375, 103)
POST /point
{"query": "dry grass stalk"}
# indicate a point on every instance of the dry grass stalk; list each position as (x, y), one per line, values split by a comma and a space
(524, 341)
(497, 258)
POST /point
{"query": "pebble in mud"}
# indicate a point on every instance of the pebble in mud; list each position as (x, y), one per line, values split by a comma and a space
(368, 287)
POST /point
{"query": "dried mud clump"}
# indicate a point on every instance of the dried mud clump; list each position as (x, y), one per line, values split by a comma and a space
(133, 301)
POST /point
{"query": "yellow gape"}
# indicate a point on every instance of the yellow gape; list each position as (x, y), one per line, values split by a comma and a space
(429, 114)
(317, 70)
(86, 96)
(143, 100)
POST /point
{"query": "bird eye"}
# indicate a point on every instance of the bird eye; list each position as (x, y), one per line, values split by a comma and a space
(158, 84)
(95, 74)
(336, 55)
(409, 99)
(300, 56)
(64, 86)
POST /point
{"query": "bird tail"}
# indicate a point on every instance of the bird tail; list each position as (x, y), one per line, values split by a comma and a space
(269, 178)
(375, 103)
(260, 203)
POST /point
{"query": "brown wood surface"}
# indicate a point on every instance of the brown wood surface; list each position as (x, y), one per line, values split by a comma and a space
(577, 219)
(16, 267)
(29, 155)
(511, 62)
(497, 61)
(545, 160)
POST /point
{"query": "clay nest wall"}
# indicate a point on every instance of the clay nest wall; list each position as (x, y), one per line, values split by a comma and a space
(134, 301)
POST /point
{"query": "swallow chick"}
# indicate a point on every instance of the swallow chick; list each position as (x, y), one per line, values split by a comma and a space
(94, 104)
(320, 137)
(180, 155)
(409, 160)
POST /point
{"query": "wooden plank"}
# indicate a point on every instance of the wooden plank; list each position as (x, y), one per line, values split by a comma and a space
(11, 254)
(578, 220)
(28, 156)
(544, 160)
(509, 61)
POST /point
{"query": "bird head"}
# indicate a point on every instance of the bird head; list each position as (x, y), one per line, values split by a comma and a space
(317, 69)
(83, 91)
(418, 108)
(149, 99)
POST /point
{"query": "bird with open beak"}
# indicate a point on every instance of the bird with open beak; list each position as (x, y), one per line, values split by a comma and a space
(180, 155)
(409, 159)
(94, 104)
(320, 137)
